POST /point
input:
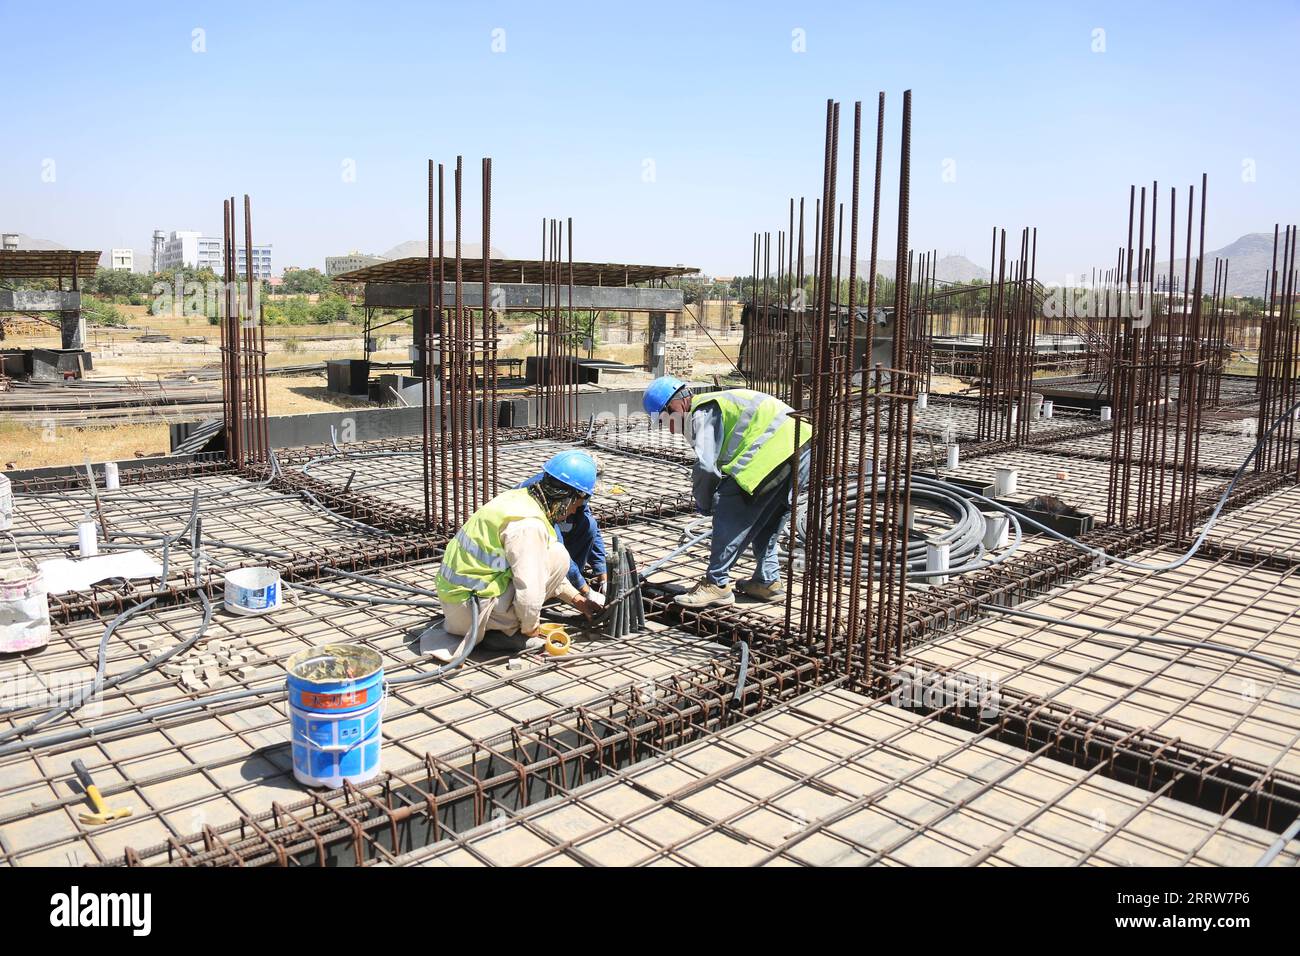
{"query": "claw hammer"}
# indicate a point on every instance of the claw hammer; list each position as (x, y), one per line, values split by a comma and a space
(102, 814)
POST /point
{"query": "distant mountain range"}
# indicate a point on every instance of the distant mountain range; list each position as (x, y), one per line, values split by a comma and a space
(420, 248)
(1249, 260)
(948, 269)
(28, 243)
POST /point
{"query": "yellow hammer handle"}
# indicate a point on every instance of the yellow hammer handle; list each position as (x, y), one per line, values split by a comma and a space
(93, 792)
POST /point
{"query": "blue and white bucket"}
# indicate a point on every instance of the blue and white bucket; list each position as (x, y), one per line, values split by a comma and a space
(336, 704)
(253, 590)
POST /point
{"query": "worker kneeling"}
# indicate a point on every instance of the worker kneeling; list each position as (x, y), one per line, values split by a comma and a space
(508, 558)
(744, 442)
(581, 537)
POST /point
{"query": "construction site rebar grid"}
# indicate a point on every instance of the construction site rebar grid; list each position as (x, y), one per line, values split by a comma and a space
(836, 778)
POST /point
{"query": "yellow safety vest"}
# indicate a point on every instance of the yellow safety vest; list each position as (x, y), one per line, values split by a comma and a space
(475, 560)
(758, 434)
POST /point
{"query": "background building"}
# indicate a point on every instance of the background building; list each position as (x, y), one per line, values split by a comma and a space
(261, 260)
(123, 259)
(197, 251)
(181, 249)
(155, 252)
(335, 265)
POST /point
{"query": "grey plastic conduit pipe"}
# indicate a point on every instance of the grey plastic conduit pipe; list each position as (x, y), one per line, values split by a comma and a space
(186, 706)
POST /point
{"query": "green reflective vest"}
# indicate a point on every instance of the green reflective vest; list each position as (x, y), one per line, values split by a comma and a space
(758, 434)
(475, 560)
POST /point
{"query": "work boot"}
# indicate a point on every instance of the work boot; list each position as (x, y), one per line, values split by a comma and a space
(499, 642)
(760, 591)
(707, 594)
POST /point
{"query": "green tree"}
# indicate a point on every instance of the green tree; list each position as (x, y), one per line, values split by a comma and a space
(331, 308)
(305, 282)
(103, 314)
(295, 310)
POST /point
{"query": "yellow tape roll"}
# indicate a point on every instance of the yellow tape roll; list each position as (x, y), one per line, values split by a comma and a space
(557, 639)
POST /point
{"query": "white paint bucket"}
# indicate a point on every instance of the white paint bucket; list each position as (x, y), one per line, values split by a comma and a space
(6, 504)
(253, 590)
(24, 609)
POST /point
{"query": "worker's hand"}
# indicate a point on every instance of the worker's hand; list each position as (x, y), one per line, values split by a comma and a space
(587, 606)
(597, 581)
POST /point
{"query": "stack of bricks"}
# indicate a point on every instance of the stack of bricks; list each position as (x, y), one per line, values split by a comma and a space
(679, 359)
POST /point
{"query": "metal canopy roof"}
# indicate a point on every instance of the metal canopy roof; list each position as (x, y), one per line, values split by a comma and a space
(416, 269)
(47, 263)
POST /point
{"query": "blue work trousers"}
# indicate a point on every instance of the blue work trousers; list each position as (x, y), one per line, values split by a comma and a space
(755, 521)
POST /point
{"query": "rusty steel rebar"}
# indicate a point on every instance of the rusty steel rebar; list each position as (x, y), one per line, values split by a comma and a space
(244, 404)
(853, 509)
(1161, 370)
(459, 440)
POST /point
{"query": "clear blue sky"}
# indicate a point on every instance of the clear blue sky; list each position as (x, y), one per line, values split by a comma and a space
(146, 133)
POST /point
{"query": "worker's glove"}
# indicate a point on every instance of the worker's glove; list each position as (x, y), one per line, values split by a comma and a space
(587, 606)
(597, 581)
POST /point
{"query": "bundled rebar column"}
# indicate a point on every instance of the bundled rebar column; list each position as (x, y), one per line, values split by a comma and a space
(624, 611)
(556, 335)
(1009, 342)
(856, 497)
(460, 348)
(1279, 351)
(243, 348)
(776, 315)
(1156, 375)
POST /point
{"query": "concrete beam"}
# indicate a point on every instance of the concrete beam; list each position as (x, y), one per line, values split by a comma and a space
(516, 297)
(32, 300)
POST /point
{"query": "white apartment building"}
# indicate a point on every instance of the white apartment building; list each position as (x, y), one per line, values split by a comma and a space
(197, 251)
(261, 261)
(181, 249)
(122, 259)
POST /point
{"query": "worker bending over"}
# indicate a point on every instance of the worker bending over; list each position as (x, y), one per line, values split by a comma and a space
(509, 558)
(581, 538)
(744, 441)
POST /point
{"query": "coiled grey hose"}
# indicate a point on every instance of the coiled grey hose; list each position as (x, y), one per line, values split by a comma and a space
(965, 538)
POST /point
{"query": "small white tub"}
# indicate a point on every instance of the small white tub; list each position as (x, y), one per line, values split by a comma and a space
(253, 590)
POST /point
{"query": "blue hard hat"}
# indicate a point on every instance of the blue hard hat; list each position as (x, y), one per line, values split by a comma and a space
(659, 393)
(573, 468)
